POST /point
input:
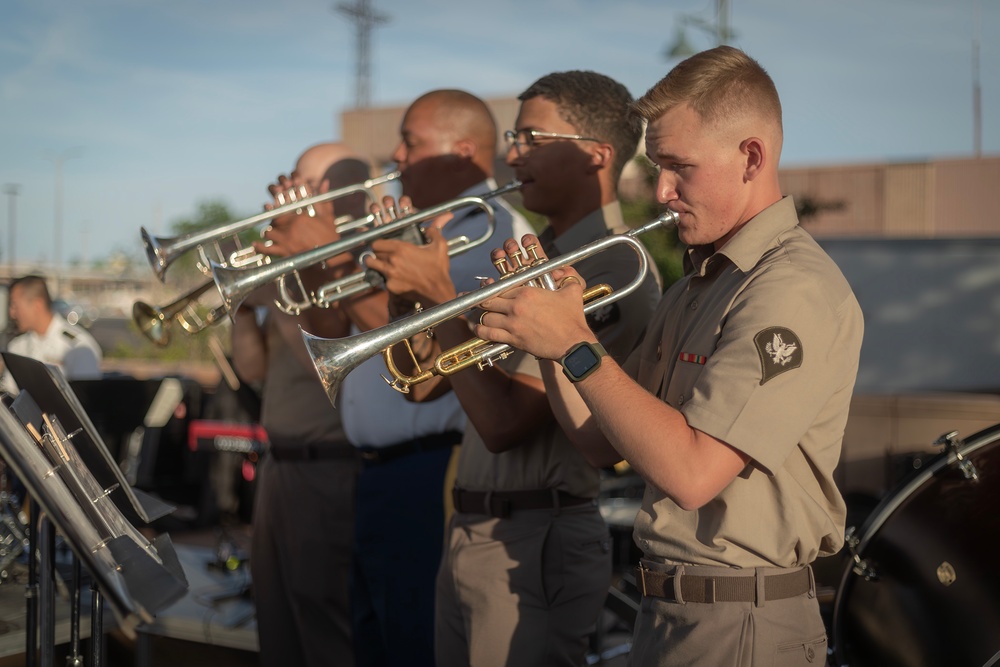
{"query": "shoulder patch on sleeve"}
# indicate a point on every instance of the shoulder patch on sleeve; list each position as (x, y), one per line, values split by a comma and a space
(779, 349)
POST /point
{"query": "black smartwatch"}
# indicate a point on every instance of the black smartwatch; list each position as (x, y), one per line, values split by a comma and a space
(582, 360)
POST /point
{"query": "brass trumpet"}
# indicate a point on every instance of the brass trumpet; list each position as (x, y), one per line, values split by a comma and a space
(236, 285)
(162, 251)
(154, 322)
(335, 358)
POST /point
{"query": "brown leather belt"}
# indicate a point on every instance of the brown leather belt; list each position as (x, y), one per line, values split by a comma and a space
(698, 588)
(500, 504)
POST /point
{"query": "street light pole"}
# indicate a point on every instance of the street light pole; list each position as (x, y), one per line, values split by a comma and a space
(58, 161)
(11, 190)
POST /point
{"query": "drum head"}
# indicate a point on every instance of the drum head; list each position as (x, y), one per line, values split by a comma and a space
(932, 596)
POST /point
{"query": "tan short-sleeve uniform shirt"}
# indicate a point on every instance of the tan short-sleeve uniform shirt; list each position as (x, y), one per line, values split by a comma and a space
(550, 461)
(758, 347)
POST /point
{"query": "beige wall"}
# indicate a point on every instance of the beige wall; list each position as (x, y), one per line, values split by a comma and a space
(888, 436)
(926, 199)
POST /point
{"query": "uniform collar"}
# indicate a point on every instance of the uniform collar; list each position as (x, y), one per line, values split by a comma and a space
(749, 244)
(56, 326)
(595, 225)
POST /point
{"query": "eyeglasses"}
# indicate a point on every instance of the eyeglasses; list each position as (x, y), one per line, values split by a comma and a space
(524, 140)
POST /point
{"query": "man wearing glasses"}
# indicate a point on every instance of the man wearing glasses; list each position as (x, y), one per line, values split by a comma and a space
(527, 563)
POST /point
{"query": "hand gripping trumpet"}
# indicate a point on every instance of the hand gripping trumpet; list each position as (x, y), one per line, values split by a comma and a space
(335, 358)
(236, 285)
(162, 251)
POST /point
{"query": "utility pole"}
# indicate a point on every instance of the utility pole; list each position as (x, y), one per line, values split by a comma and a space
(11, 190)
(365, 18)
(719, 29)
(977, 93)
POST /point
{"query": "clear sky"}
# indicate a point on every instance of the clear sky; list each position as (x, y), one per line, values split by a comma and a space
(152, 106)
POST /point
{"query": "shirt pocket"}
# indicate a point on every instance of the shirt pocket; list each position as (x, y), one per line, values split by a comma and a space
(684, 373)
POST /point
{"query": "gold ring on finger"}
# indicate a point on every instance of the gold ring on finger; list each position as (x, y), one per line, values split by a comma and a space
(567, 279)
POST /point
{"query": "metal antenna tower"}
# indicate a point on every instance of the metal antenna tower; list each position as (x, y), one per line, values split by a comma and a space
(365, 19)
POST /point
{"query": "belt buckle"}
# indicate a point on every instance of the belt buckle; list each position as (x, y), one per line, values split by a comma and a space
(641, 572)
(498, 508)
(370, 454)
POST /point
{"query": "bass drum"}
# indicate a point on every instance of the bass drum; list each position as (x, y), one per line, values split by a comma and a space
(923, 587)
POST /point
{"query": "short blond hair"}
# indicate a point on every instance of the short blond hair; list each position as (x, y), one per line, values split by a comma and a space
(721, 85)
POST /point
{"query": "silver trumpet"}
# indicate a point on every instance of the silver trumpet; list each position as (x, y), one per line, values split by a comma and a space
(154, 322)
(335, 358)
(162, 251)
(236, 285)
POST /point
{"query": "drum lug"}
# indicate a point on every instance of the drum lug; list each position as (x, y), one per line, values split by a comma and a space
(861, 566)
(948, 440)
(967, 467)
(951, 443)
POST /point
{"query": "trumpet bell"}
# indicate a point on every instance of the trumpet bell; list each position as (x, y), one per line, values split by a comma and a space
(334, 359)
(156, 253)
(151, 323)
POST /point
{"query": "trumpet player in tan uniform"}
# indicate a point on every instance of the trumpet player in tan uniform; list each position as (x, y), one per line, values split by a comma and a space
(303, 519)
(527, 561)
(734, 404)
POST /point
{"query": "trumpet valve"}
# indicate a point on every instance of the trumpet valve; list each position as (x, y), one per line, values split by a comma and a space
(503, 267)
(518, 259)
(304, 194)
(532, 252)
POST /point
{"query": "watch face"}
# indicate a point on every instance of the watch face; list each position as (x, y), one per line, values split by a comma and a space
(580, 360)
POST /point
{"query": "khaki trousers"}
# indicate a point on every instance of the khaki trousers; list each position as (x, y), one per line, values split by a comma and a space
(521, 591)
(735, 634)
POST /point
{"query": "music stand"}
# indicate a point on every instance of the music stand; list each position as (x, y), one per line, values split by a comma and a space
(53, 394)
(138, 577)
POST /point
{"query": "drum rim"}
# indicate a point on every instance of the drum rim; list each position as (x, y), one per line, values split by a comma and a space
(885, 509)
(897, 496)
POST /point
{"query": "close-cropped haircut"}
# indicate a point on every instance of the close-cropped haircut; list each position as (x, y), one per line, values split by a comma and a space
(597, 106)
(33, 286)
(465, 113)
(720, 84)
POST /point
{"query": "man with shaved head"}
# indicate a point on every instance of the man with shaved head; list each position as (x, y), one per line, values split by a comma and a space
(303, 518)
(447, 148)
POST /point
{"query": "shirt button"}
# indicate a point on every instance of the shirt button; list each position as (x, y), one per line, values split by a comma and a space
(645, 545)
(659, 351)
(810, 654)
(693, 305)
(680, 400)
